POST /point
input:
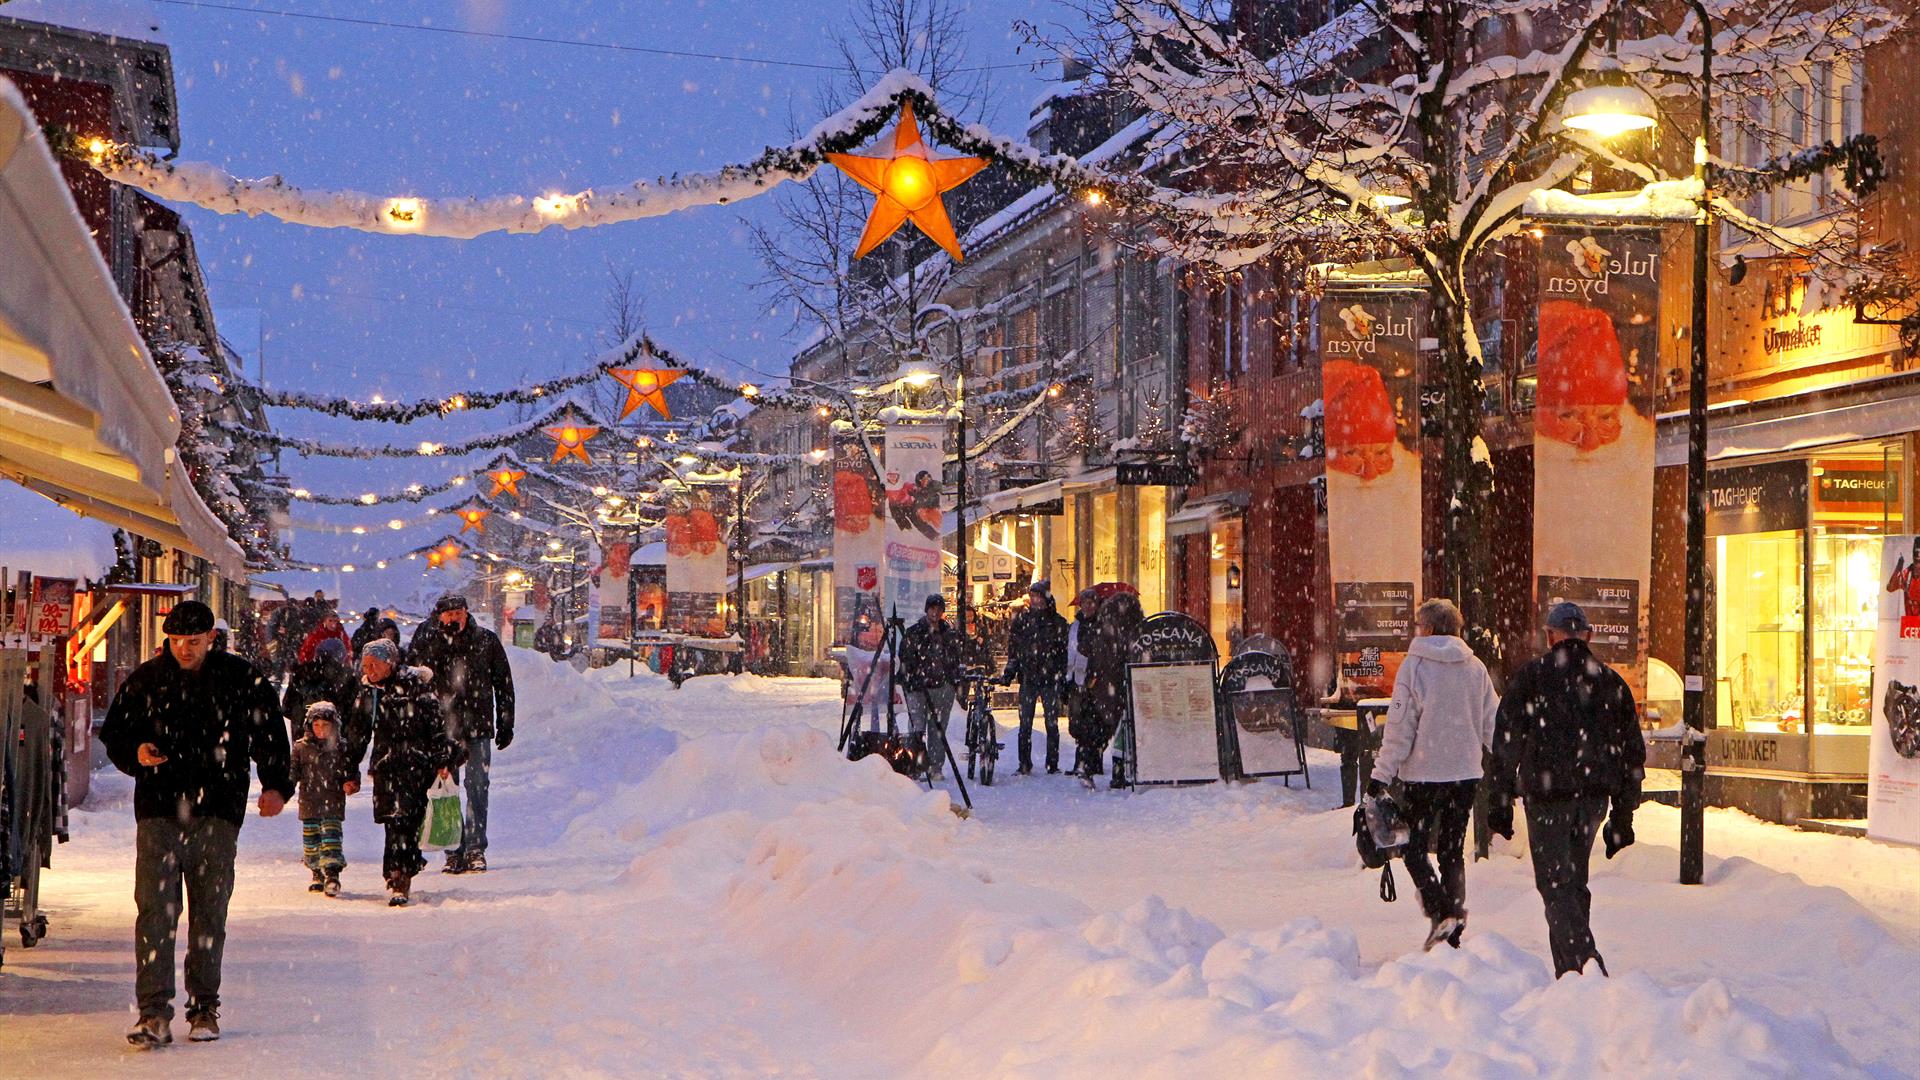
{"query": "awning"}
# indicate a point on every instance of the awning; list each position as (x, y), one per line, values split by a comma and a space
(85, 417)
(1012, 499)
(1790, 424)
(760, 570)
(1198, 515)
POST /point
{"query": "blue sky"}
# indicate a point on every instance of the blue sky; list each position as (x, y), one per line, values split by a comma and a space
(337, 105)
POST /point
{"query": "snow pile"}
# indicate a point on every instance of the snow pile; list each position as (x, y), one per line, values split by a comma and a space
(852, 881)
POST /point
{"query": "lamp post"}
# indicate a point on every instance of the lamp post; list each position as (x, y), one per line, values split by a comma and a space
(1604, 111)
(961, 587)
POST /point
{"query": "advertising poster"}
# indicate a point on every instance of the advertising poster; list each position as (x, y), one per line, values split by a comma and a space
(50, 612)
(649, 597)
(697, 561)
(1893, 754)
(913, 484)
(1598, 360)
(1173, 732)
(859, 521)
(614, 594)
(1369, 353)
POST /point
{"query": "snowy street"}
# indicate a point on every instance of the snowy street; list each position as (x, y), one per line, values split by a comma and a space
(693, 883)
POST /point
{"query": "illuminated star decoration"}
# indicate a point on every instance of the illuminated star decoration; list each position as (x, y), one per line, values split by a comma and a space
(907, 186)
(473, 517)
(570, 440)
(646, 385)
(506, 480)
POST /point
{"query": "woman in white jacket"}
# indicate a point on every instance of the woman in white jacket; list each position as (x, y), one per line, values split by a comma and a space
(1440, 720)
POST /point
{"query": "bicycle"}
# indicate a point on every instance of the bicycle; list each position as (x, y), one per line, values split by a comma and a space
(983, 734)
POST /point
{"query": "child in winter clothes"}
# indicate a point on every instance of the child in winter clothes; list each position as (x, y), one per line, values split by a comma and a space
(326, 776)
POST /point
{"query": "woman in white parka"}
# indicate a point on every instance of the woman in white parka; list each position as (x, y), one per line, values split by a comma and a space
(1440, 721)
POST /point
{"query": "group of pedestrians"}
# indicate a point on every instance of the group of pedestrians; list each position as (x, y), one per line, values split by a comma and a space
(187, 724)
(1565, 737)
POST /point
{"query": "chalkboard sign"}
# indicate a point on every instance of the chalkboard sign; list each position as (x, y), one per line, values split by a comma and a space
(1174, 731)
(1263, 723)
(1173, 637)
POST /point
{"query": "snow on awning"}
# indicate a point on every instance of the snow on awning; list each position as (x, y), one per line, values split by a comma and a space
(47, 540)
(1198, 515)
(760, 570)
(1001, 502)
(85, 418)
(1802, 429)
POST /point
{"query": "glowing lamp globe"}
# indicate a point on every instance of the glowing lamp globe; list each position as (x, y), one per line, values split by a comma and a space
(910, 182)
(570, 435)
(1607, 111)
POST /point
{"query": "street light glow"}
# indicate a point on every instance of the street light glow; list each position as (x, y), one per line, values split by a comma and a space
(1607, 111)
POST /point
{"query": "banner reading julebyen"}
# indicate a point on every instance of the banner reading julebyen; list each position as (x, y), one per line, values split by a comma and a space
(1598, 358)
(696, 561)
(1369, 348)
(612, 585)
(859, 519)
(1893, 754)
(914, 473)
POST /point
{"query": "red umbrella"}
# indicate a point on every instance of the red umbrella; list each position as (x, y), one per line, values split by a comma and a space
(1092, 595)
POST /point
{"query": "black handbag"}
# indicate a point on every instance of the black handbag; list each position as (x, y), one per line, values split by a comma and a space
(1374, 855)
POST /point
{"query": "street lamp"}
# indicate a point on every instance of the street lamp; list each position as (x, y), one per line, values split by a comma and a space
(961, 587)
(1605, 110)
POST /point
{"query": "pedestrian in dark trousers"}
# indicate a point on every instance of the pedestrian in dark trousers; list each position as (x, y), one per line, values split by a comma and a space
(368, 629)
(326, 676)
(475, 685)
(325, 778)
(398, 716)
(1438, 726)
(1568, 741)
(184, 725)
(1037, 657)
(930, 669)
(1108, 698)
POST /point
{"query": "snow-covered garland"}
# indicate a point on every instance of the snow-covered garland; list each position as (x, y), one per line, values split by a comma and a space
(406, 412)
(213, 188)
(498, 440)
(208, 454)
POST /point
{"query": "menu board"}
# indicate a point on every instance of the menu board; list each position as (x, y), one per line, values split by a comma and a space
(1176, 739)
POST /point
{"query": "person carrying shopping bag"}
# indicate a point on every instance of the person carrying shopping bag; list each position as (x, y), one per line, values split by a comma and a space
(397, 716)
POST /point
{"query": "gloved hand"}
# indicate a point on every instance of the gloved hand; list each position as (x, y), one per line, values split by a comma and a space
(1378, 790)
(1500, 820)
(504, 739)
(1618, 835)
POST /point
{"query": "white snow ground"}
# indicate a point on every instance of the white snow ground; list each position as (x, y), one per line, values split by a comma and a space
(693, 884)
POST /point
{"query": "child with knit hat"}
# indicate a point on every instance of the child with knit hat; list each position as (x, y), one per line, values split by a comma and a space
(326, 776)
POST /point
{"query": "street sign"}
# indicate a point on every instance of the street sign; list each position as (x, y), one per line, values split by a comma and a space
(1156, 474)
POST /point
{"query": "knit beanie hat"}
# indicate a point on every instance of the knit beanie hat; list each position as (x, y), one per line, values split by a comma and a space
(383, 650)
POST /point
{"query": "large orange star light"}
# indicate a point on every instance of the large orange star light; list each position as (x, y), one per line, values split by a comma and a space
(570, 440)
(506, 480)
(473, 517)
(646, 385)
(907, 186)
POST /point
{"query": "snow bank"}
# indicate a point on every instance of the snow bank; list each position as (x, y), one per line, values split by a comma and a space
(851, 881)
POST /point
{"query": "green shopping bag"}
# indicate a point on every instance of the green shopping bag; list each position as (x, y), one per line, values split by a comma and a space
(440, 830)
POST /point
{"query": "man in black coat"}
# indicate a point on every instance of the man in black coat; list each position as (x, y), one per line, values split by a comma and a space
(1568, 740)
(475, 686)
(930, 670)
(184, 725)
(1037, 657)
(368, 629)
(397, 714)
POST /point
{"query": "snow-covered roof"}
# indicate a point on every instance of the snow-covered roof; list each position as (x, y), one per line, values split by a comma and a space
(133, 19)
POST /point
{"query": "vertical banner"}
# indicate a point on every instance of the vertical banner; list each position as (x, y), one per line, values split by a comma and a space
(914, 479)
(615, 592)
(1598, 357)
(859, 519)
(650, 597)
(1369, 352)
(696, 562)
(1893, 754)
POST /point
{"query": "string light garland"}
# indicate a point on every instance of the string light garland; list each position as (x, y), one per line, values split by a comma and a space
(499, 440)
(213, 188)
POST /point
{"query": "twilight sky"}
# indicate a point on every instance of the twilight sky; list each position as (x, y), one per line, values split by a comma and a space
(330, 104)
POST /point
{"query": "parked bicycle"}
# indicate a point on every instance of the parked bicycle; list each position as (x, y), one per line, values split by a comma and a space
(983, 734)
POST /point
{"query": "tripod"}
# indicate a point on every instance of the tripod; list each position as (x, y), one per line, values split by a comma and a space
(899, 752)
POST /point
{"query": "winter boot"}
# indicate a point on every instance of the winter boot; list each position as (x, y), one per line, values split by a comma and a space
(319, 882)
(332, 887)
(475, 863)
(1444, 929)
(402, 890)
(205, 1025)
(456, 864)
(151, 1031)
(1453, 939)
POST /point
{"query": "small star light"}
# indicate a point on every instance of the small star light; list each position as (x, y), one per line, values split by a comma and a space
(507, 481)
(570, 440)
(907, 185)
(474, 518)
(645, 385)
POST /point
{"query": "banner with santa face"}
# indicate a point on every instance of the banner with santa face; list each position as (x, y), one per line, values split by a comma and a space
(912, 482)
(697, 561)
(1597, 361)
(1369, 352)
(612, 585)
(859, 519)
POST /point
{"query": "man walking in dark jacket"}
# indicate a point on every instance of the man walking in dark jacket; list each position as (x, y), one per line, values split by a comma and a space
(184, 725)
(368, 629)
(1037, 657)
(475, 687)
(398, 715)
(930, 671)
(1568, 741)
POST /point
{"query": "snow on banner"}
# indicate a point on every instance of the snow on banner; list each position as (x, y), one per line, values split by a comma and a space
(696, 562)
(1893, 755)
(859, 519)
(1599, 356)
(1369, 352)
(914, 472)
